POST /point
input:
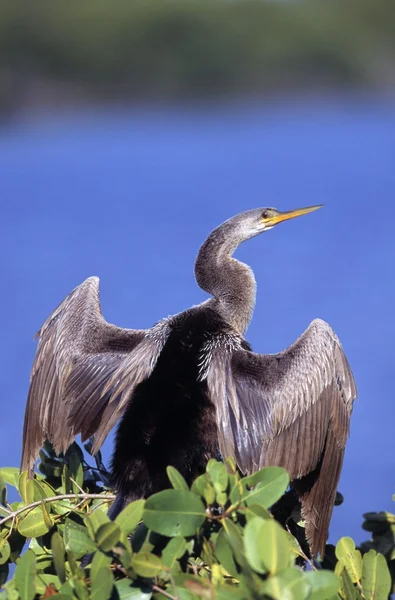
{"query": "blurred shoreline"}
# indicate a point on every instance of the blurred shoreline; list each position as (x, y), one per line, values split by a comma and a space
(69, 54)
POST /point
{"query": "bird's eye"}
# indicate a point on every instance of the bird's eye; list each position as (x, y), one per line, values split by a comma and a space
(265, 214)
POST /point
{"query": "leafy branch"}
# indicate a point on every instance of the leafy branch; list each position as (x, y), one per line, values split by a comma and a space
(226, 537)
(81, 496)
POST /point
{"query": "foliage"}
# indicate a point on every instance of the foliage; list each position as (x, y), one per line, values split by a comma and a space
(216, 540)
(177, 49)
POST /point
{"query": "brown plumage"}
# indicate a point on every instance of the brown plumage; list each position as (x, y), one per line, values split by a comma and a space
(190, 387)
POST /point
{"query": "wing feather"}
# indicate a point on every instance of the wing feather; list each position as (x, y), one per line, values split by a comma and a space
(290, 409)
(82, 365)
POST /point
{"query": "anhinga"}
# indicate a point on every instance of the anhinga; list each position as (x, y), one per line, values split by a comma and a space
(191, 387)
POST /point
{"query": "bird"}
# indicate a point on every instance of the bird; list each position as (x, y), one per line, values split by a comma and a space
(191, 388)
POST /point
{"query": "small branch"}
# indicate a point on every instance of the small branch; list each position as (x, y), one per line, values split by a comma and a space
(13, 515)
(76, 484)
(156, 588)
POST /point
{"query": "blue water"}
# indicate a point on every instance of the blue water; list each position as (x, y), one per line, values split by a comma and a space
(129, 195)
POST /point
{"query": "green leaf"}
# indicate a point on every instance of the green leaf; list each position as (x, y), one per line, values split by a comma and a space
(224, 554)
(99, 561)
(218, 475)
(324, 584)
(348, 591)
(127, 591)
(130, 516)
(174, 512)
(76, 472)
(173, 551)
(176, 479)
(49, 522)
(26, 491)
(58, 552)
(376, 579)
(290, 584)
(146, 564)
(268, 484)
(42, 490)
(350, 557)
(266, 546)
(10, 475)
(25, 574)
(102, 584)
(77, 540)
(33, 523)
(3, 490)
(254, 510)
(209, 493)
(199, 484)
(94, 521)
(236, 542)
(107, 536)
(44, 580)
(5, 551)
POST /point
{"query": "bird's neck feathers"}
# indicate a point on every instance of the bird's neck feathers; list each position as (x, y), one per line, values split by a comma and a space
(231, 282)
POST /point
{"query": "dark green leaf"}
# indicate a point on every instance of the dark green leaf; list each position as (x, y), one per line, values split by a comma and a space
(76, 539)
(174, 512)
(76, 472)
(146, 564)
(58, 552)
(107, 536)
(176, 479)
(130, 516)
(25, 574)
(376, 579)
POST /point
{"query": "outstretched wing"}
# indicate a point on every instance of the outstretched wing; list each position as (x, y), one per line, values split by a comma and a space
(290, 409)
(83, 374)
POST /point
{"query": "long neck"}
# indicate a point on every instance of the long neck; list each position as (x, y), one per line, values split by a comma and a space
(231, 282)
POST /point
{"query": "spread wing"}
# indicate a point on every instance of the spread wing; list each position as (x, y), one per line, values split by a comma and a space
(83, 374)
(290, 409)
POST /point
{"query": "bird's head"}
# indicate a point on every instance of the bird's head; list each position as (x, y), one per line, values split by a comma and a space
(256, 221)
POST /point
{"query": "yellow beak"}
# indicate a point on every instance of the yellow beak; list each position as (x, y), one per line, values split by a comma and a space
(290, 214)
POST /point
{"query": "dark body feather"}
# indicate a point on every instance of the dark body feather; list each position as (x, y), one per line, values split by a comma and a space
(170, 420)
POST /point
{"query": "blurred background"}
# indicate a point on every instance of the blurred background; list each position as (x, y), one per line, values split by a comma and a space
(129, 130)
